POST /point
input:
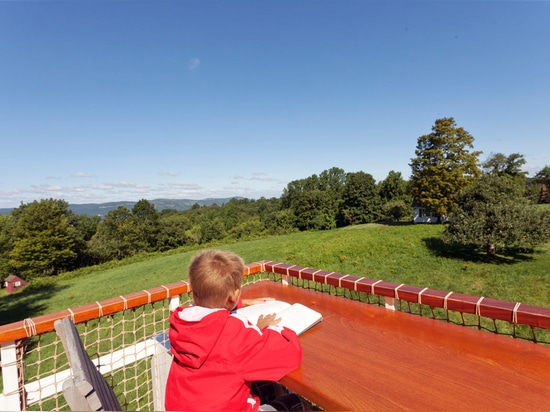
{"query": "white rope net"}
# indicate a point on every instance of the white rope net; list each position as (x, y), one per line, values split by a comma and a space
(125, 346)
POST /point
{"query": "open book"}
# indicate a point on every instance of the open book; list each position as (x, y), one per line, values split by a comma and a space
(295, 316)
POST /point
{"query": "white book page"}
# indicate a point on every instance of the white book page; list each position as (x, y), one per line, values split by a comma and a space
(297, 317)
(253, 312)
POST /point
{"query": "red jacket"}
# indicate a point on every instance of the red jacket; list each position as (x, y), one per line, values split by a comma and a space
(218, 354)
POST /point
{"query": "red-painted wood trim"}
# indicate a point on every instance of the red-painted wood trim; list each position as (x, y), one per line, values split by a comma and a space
(486, 307)
(497, 309)
(462, 303)
(44, 323)
(534, 316)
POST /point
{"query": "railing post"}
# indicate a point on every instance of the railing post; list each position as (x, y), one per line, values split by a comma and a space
(10, 399)
(174, 303)
(389, 303)
(160, 366)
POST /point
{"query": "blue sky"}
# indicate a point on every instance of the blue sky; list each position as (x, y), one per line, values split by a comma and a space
(124, 100)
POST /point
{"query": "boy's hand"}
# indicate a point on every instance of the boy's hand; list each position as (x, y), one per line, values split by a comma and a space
(267, 320)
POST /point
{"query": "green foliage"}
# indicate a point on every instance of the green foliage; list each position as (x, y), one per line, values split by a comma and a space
(396, 202)
(6, 242)
(315, 201)
(173, 226)
(500, 165)
(44, 238)
(492, 214)
(508, 167)
(146, 226)
(393, 187)
(397, 210)
(542, 178)
(543, 175)
(124, 233)
(113, 237)
(443, 166)
(360, 200)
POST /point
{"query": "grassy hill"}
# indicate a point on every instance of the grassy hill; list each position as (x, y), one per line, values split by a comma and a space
(410, 254)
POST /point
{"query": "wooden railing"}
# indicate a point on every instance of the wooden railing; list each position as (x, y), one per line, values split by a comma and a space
(133, 327)
(515, 313)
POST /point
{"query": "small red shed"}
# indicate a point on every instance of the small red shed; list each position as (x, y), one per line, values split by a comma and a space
(13, 283)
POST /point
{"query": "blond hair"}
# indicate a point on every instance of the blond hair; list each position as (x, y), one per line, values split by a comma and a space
(214, 276)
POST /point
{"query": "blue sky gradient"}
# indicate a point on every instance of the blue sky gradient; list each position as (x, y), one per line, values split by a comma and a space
(124, 100)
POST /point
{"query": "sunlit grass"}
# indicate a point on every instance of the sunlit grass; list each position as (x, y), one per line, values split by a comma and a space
(409, 254)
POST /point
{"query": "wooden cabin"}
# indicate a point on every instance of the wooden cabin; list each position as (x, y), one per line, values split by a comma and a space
(13, 283)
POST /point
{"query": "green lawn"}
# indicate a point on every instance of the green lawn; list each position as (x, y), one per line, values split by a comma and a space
(410, 254)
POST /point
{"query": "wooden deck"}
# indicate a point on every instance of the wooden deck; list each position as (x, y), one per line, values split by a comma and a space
(365, 357)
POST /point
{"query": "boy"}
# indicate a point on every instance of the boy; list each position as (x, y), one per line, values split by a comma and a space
(218, 354)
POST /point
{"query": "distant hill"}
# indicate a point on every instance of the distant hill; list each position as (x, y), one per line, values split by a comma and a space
(92, 209)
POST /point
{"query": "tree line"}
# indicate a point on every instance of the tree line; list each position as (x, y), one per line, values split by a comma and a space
(490, 205)
(45, 237)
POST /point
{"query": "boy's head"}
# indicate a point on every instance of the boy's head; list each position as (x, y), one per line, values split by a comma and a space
(216, 278)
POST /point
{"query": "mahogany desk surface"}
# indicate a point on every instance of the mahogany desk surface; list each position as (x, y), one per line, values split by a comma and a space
(365, 357)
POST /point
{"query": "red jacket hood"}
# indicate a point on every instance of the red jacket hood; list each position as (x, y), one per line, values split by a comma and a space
(194, 331)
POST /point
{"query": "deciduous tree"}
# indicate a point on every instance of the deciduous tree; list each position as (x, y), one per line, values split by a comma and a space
(44, 238)
(6, 243)
(113, 239)
(146, 227)
(396, 202)
(360, 200)
(443, 166)
(542, 178)
(393, 187)
(493, 215)
(315, 201)
(498, 164)
(508, 167)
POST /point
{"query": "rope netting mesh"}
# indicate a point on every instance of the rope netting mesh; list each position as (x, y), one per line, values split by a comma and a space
(121, 345)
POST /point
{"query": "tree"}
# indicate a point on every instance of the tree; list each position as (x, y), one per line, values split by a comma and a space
(172, 227)
(113, 239)
(493, 215)
(6, 242)
(315, 201)
(360, 200)
(85, 227)
(146, 227)
(508, 167)
(396, 202)
(44, 238)
(443, 166)
(397, 209)
(543, 180)
(393, 187)
(501, 165)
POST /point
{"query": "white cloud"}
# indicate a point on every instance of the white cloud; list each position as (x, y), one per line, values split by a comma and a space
(82, 174)
(128, 185)
(109, 191)
(264, 177)
(194, 64)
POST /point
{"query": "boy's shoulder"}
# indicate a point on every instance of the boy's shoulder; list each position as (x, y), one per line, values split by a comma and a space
(194, 313)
